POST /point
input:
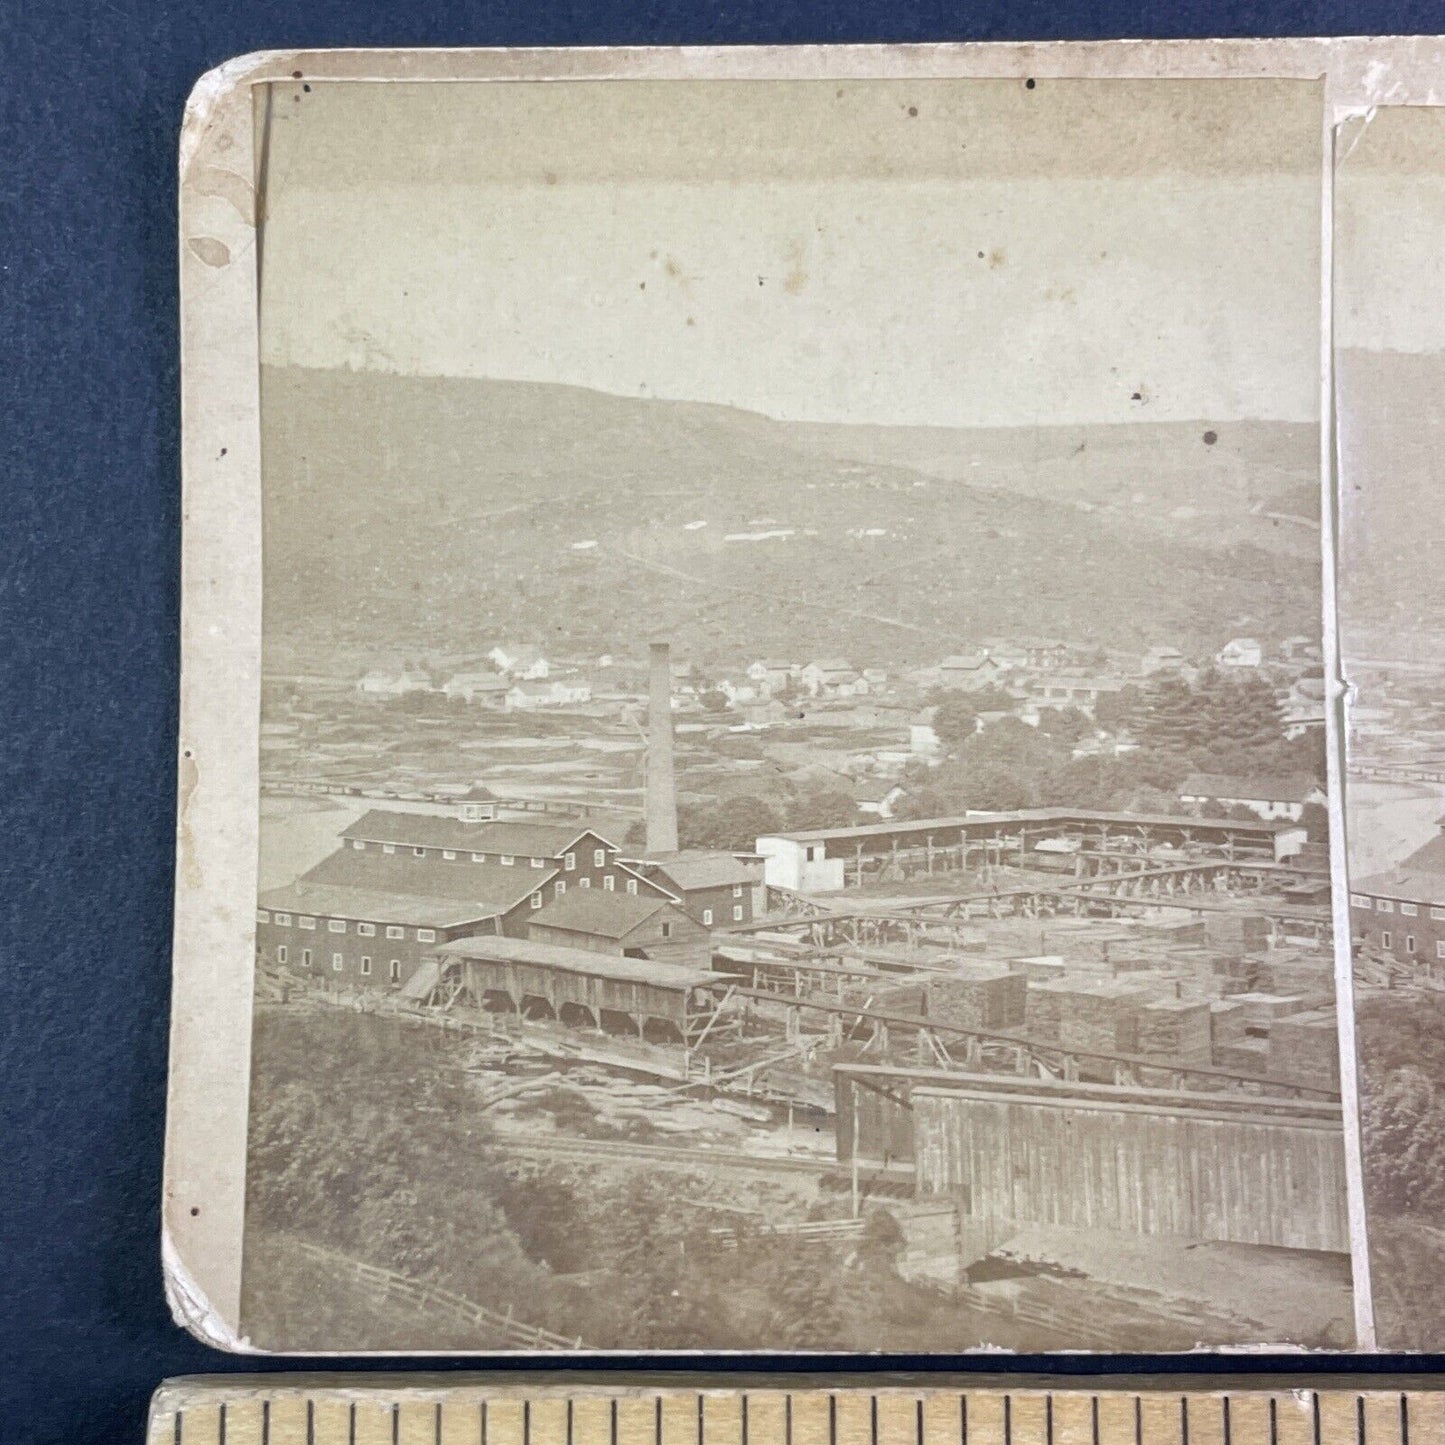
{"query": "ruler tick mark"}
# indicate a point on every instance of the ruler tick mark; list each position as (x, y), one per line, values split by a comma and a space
(1318, 1441)
(1224, 1410)
(832, 1420)
(1404, 1419)
(265, 1422)
(396, 1423)
(787, 1421)
(351, 1424)
(963, 1419)
(484, 1424)
(527, 1423)
(699, 1418)
(873, 1419)
(657, 1420)
(1138, 1420)
(1008, 1420)
(180, 1416)
(569, 1422)
(918, 1421)
(1360, 1419)
(221, 1425)
(614, 1422)
(1094, 1418)
(439, 1423)
(743, 1431)
(1273, 1421)
(1049, 1418)
(311, 1422)
(1184, 1419)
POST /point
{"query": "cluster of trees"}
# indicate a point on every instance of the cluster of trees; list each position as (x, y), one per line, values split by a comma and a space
(1216, 724)
(365, 1139)
(737, 822)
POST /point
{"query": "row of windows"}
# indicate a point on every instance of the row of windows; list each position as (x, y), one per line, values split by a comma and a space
(507, 860)
(1387, 941)
(339, 925)
(737, 912)
(1389, 905)
(338, 962)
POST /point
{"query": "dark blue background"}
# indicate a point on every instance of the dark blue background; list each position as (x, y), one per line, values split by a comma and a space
(90, 104)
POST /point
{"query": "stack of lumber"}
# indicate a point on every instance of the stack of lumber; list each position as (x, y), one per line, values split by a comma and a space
(1176, 1029)
(1249, 1057)
(1237, 931)
(1288, 971)
(1261, 1010)
(1040, 967)
(1228, 1024)
(1304, 1049)
(1092, 1015)
(985, 996)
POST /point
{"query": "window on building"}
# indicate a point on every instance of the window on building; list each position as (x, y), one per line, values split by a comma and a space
(666, 929)
(536, 900)
(281, 954)
(707, 917)
(1437, 913)
(395, 970)
(1384, 905)
(426, 935)
(395, 930)
(359, 844)
(365, 965)
(338, 962)
(599, 857)
(388, 847)
(366, 930)
(420, 852)
(538, 862)
(1361, 900)
(1410, 943)
(737, 890)
(479, 857)
(1440, 948)
(584, 882)
(305, 958)
(737, 912)
(336, 925)
(1385, 940)
(632, 886)
(449, 852)
(262, 916)
(284, 919)
(813, 854)
(609, 884)
(306, 922)
(507, 860)
(560, 887)
(1409, 910)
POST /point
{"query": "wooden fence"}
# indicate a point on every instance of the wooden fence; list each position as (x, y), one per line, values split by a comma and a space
(512, 1332)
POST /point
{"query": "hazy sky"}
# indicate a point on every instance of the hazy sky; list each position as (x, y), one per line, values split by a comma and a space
(1390, 231)
(946, 252)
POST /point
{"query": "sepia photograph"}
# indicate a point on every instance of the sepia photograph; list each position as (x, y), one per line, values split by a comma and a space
(1390, 403)
(793, 806)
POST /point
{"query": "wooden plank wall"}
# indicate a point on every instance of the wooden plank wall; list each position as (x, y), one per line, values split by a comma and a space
(1246, 1180)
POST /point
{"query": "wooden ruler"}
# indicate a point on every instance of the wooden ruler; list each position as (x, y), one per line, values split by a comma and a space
(463, 1409)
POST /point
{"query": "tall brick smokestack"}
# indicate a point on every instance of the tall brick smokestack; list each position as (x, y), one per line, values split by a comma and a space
(661, 802)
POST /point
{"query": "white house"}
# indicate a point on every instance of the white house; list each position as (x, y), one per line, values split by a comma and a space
(773, 674)
(520, 661)
(1161, 659)
(1240, 652)
(487, 688)
(832, 677)
(528, 696)
(1267, 797)
(968, 671)
(379, 683)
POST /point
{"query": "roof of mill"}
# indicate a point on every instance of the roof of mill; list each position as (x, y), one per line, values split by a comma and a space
(491, 885)
(428, 830)
(596, 911)
(655, 973)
